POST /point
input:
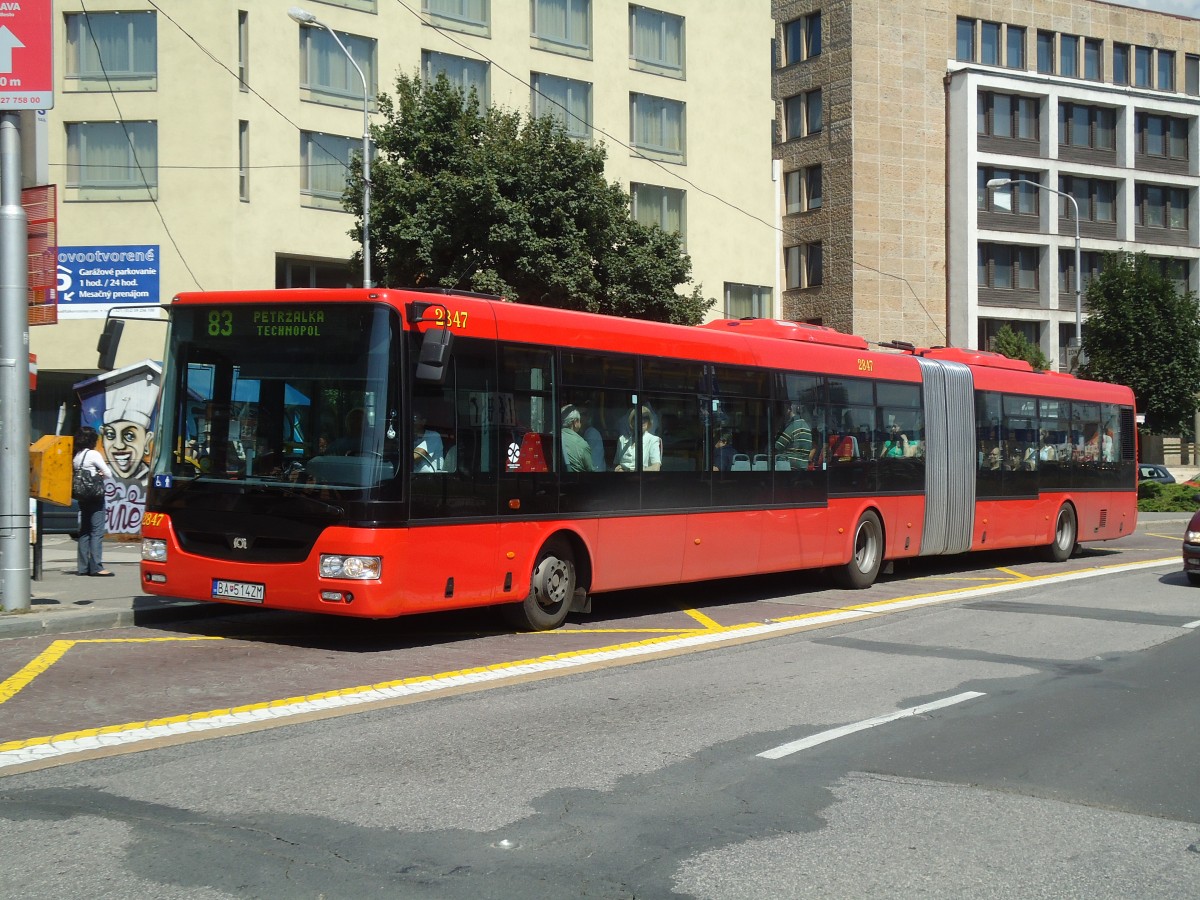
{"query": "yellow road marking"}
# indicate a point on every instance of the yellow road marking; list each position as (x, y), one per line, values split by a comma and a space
(1021, 576)
(502, 666)
(1169, 537)
(704, 620)
(17, 682)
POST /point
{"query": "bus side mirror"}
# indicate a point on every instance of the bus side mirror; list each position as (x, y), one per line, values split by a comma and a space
(435, 354)
(110, 340)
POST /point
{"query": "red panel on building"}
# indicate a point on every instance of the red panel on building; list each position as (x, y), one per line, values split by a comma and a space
(41, 210)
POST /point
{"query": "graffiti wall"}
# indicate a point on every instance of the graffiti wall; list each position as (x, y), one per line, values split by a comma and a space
(121, 405)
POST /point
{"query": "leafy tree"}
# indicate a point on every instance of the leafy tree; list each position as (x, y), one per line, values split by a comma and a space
(489, 200)
(1144, 333)
(1015, 345)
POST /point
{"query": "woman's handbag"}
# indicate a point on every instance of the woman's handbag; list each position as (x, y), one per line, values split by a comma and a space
(87, 486)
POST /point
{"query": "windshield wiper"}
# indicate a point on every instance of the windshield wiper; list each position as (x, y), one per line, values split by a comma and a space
(277, 489)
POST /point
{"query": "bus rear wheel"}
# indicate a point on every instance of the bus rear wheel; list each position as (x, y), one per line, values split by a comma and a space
(551, 588)
(1066, 532)
(864, 564)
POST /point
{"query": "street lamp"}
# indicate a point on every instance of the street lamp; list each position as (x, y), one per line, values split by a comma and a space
(994, 183)
(296, 14)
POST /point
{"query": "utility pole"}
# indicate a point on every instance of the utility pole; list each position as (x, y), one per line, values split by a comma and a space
(14, 373)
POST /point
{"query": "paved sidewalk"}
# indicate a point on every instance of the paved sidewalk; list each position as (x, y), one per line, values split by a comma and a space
(63, 602)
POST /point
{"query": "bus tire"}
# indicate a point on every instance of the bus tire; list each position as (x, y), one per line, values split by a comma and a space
(867, 555)
(1066, 533)
(551, 589)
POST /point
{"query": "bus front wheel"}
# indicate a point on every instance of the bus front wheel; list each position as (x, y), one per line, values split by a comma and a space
(1066, 532)
(867, 557)
(551, 589)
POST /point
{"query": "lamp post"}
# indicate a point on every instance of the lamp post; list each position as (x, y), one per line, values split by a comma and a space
(994, 183)
(296, 14)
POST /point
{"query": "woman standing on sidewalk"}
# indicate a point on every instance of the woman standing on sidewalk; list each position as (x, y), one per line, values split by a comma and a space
(89, 560)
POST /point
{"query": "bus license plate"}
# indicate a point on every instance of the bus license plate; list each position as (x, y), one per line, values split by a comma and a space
(239, 590)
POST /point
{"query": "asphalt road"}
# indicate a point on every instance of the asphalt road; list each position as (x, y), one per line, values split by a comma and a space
(1066, 764)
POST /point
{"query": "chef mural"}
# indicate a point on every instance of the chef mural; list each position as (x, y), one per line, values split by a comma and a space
(121, 406)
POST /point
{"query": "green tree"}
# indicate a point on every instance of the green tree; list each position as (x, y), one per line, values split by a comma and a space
(1015, 345)
(489, 200)
(1144, 333)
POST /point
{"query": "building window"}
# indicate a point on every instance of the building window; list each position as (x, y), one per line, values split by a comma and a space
(656, 40)
(747, 301)
(1162, 136)
(1068, 59)
(802, 38)
(565, 100)
(328, 75)
(803, 266)
(658, 126)
(1096, 199)
(661, 206)
(802, 115)
(1008, 267)
(473, 14)
(1165, 70)
(1191, 75)
(325, 160)
(117, 51)
(1141, 66)
(1120, 63)
(965, 40)
(243, 34)
(803, 189)
(244, 161)
(1087, 127)
(1159, 206)
(989, 43)
(1014, 47)
(1014, 199)
(113, 160)
(465, 74)
(567, 23)
(1045, 52)
(1176, 271)
(1008, 116)
(1093, 59)
(1090, 263)
(307, 273)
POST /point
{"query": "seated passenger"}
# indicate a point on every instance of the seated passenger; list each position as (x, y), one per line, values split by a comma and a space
(723, 452)
(896, 446)
(595, 440)
(427, 447)
(626, 460)
(577, 454)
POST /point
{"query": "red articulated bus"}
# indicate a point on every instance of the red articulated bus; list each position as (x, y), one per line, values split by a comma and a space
(384, 452)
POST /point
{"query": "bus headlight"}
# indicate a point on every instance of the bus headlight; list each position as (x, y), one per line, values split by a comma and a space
(154, 550)
(359, 568)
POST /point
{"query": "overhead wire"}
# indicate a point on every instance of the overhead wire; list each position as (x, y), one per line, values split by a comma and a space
(151, 193)
(448, 35)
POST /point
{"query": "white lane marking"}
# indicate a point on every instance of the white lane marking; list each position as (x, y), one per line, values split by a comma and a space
(1195, 624)
(832, 734)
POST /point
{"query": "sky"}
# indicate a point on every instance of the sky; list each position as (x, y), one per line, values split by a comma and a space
(1183, 7)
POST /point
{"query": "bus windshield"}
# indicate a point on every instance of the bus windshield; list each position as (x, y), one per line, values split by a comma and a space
(303, 395)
